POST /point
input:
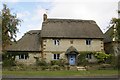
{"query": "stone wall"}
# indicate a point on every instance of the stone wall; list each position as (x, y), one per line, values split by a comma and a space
(80, 44)
(30, 60)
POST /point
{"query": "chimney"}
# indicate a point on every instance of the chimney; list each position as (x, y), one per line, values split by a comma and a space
(44, 17)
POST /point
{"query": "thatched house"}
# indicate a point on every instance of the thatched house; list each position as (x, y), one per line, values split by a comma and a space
(59, 39)
(28, 47)
(111, 45)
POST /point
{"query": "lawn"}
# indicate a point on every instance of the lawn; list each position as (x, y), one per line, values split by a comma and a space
(62, 73)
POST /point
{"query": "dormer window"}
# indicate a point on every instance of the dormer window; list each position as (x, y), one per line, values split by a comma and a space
(88, 41)
(56, 41)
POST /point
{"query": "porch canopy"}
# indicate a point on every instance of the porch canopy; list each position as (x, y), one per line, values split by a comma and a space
(71, 50)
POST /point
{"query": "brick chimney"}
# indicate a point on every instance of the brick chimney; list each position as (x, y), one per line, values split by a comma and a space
(44, 17)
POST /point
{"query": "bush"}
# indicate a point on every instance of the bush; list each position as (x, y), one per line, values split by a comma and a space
(55, 62)
(102, 57)
(8, 60)
(60, 62)
(55, 67)
(44, 67)
(81, 60)
(41, 62)
(115, 61)
(8, 63)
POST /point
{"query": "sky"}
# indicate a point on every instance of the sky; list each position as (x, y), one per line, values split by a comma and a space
(31, 11)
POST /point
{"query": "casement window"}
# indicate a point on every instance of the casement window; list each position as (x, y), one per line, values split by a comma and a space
(88, 41)
(56, 56)
(56, 41)
(23, 56)
(89, 56)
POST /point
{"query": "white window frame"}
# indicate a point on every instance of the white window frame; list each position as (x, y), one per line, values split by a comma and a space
(22, 56)
(88, 41)
(56, 41)
(56, 56)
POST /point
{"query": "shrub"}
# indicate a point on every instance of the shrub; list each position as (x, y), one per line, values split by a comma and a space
(115, 61)
(8, 63)
(81, 59)
(41, 62)
(8, 60)
(60, 62)
(102, 57)
(54, 62)
(44, 67)
(55, 67)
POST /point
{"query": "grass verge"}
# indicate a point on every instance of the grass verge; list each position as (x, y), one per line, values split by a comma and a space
(62, 73)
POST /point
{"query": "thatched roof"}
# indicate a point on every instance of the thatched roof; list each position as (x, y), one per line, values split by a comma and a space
(70, 28)
(108, 35)
(31, 41)
(71, 50)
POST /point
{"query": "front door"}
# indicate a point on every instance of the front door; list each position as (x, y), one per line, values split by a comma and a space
(72, 59)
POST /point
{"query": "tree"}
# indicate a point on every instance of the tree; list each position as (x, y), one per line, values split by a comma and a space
(9, 26)
(116, 25)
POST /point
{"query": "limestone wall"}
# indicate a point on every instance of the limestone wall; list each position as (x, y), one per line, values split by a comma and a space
(30, 60)
(79, 44)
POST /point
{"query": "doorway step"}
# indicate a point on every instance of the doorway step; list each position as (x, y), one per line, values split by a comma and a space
(79, 68)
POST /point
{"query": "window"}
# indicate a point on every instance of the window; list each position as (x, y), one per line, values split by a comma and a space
(23, 56)
(89, 56)
(56, 56)
(88, 41)
(56, 41)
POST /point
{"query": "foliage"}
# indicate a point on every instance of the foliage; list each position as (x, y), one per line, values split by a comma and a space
(54, 62)
(55, 67)
(101, 56)
(8, 63)
(9, 26)
(8, 60)
(116, 22)
(115, 61)
(41, 62)
(44, 67)
(81, 60)
(60, 62)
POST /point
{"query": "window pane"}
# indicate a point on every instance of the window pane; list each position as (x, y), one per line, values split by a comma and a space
(90, 56)
(54, 56)
(25, 56)
(58, 55)
(56, 41)
(88, 41)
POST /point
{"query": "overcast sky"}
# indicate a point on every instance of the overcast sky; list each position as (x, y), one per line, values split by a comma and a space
(31, 11)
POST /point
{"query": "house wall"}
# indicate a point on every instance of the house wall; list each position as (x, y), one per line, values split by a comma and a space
(80, 44)
(29, 61)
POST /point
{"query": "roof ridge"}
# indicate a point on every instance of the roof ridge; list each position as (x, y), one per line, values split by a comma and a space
(69, 20)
